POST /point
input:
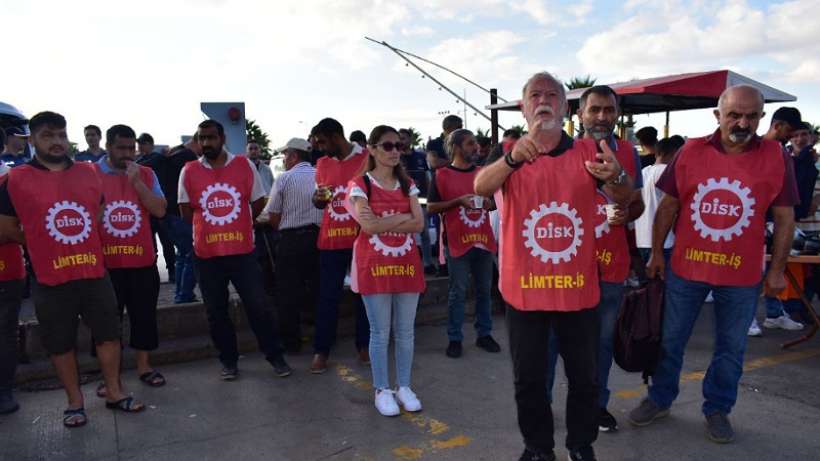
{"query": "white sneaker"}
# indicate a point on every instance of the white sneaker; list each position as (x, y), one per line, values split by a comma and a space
(754, 329)
(709, 298)
(408, 399)
(784, 321)
(386, 403)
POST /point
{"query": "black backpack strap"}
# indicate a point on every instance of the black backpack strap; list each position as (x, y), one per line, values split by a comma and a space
(367, 185)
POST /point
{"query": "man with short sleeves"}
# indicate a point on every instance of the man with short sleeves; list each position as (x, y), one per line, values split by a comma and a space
(718, 189)
(436, 154)
(93, 137)
(221, 195)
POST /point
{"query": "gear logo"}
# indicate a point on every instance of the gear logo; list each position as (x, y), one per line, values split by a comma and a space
(68, 222)
(122, 219)
(601, 223)
(336, 207)
(220, 204)
(547, 228)
(392, 244)
(471, 217)
(721, 209)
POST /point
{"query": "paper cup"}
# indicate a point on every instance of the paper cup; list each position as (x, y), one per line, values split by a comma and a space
(611, 209)
(478, 202)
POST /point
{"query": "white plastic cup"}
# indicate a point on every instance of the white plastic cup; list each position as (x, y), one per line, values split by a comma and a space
(478, 202)
(611, 209)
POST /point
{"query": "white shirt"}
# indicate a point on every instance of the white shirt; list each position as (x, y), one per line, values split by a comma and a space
(651, 198)
(292, 198)
(256, 193)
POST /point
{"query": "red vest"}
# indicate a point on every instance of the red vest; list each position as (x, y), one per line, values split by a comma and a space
(126, 225)
(12, 266)
(719, 235)
(465, 227)
(339, 229)
(220, 199)
(58, 211)
(388, 262)
(547, 252)
(613, 247)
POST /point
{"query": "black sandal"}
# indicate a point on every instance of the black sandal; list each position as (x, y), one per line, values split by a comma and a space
(153, 378)
(127, 405)
(74, 418)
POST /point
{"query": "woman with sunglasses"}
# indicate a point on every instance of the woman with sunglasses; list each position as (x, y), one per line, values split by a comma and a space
(387, 269)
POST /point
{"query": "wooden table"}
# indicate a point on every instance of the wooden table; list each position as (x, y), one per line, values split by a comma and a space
(811, 260)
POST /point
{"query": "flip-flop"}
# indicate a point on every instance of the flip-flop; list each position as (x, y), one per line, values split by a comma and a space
(127, 405)
(73, 418)
(153, 378)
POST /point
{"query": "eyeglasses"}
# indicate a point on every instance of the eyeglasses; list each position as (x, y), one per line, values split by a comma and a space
(388, 146)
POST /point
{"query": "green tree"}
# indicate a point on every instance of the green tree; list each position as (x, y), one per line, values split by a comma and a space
(482, 133)
(259, 136)
(415, 137)
(520, 129)
(580, 82)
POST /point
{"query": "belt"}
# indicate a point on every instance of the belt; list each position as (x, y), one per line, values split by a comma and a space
(300, 230)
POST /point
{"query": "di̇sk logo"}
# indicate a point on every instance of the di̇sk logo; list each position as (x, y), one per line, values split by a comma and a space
(721, 209)
(336, 207)
(220, 204)
(553, 233)
(122, 218)
(68, 222)
(472, 217)
(393, 244)
(601, 223)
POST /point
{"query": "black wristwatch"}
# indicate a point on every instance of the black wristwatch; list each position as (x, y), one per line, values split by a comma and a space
(510, 162)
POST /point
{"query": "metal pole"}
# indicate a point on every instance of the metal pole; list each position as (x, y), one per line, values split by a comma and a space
(465, 110)
(666, 127)
(494, 116)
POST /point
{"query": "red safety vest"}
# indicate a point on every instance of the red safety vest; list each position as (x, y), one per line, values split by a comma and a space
(220, 199)
(339, 229)
(547, 253)
(59, 213)
(12, 266)
(613, 247)
(126, 225)
(465, 227)
(387, 262)
(719, 235)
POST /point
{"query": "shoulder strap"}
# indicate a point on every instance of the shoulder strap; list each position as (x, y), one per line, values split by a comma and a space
(367, 185)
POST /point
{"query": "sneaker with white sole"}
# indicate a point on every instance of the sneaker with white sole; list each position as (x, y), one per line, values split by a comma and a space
(754, 329)
(386, 403)
(408, 399)
(783, 322)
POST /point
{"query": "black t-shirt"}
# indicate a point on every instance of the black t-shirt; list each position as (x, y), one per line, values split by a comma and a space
(415, 163)
(170, 184)
(437, 146)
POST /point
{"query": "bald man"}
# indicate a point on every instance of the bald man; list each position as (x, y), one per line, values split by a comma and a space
(718, 189)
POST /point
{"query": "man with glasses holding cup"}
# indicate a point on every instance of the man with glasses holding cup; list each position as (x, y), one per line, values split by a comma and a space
(467, 239)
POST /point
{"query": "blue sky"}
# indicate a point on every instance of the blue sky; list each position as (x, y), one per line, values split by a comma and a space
(150, 63)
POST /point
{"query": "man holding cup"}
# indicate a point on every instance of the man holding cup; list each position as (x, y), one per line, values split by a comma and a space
(467, 239)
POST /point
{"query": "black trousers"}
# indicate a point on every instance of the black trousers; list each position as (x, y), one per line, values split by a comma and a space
(11, 293)
(160, 229)
(578, 334)
(244, 273)
(137, 290)
(297, 279)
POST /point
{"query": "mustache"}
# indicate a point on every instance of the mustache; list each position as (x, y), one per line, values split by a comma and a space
(544, 109)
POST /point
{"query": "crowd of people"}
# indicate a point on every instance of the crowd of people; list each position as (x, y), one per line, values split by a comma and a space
(550, 215)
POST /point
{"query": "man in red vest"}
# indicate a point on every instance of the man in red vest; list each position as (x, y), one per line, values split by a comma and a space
(598, 110)
(547, 263)
(468, 239)
(132, 197)
(52, 205)
(221, 195)
(718, 189)
(341, 163)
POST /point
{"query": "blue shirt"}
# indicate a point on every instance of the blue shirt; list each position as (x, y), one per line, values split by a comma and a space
(415, 163)
(14, 160)
(106, 168)
(86, 156)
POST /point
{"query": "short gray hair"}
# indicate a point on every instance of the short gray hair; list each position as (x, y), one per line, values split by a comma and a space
(455, 139)
(545, 76)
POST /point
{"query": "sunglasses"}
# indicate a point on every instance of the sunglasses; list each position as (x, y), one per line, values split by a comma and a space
(388, 146)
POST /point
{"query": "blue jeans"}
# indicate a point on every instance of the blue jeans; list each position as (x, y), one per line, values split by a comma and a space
(646, 252)
(775, 307)
(426, 245)
(479, 263)
(734, 311)
(183, 237)
(612, 295)
(398, 309)
(333, 266)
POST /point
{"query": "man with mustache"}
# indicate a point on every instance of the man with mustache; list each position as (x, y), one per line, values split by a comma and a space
(598, 110)
(132, 196)
(221, 194)
(547, 263)
(717, 191)
(52, 205)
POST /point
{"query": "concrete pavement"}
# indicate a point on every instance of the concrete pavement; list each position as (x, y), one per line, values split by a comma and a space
(468, 412)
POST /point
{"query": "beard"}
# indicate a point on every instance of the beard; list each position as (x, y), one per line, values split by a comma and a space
(211, 154)
(599, 132)
(544, 125)
(740, 136)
